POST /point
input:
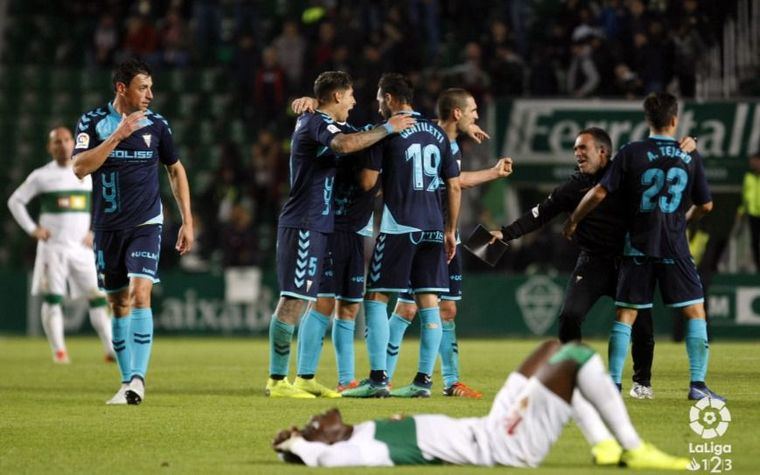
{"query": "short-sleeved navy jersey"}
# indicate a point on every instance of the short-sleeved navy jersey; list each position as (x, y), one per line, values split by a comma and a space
(414, 164)
(659, 181)
(353, 206)
(312, 174)
(125, 189)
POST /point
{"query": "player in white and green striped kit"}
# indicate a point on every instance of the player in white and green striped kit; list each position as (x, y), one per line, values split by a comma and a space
(64, 242)
(552, 385)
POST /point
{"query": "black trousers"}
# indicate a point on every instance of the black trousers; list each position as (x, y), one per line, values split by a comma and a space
(595, 277)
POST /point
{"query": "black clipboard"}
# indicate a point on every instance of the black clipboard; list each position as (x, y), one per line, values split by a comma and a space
(479, 243)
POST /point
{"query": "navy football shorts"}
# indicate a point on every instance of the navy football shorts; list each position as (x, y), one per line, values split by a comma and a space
(677, 278)
(413, 262)
(300, 256)
(455, 282)
(122, 254)
(343, 276)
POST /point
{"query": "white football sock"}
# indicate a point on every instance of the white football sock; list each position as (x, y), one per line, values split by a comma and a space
(597, 387)
(588, 420)
(101, 322)
(52, 324)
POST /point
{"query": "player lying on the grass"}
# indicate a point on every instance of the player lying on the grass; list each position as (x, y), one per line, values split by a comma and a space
(527, 417)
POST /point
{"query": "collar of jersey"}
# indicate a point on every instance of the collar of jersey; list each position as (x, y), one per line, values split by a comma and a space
(115, 114)
(112, 111)
(412, 112)
(662, 137)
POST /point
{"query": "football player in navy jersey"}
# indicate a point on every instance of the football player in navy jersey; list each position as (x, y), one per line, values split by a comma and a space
(415, 242)
(121, 145)
(457, 113)
(307, 218)
(665, 187)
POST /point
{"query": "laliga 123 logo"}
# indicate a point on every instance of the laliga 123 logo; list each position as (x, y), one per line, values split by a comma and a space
(709, 418)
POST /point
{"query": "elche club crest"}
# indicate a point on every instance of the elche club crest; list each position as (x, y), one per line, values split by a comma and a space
(540, 300)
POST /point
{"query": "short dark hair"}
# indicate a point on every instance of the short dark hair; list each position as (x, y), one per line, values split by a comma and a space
(330, 81)
(398, 86)
(660, 108)
(127, 70)
(601, 138)
(451, 99)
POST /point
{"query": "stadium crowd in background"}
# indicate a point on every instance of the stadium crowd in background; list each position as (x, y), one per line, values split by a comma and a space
(270, 51)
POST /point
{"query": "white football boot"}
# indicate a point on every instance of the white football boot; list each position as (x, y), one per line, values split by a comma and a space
(120, 398)
(135, 391)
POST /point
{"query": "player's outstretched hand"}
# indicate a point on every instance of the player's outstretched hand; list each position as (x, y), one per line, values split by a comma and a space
(304, 104)
(503, 167)
(129, 124)
(185, 239)
(400, 122)
(41, 234)
(688, 144)
(476, 133)
(569, 229)
(450, 245)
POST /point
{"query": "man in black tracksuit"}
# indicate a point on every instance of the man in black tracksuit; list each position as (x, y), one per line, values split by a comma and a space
(601, 237)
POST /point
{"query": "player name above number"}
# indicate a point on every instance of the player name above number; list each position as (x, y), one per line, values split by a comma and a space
(423, 127)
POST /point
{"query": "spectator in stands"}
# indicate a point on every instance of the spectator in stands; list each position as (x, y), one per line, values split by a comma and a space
(266, 175)
(544, 73)
(507, 72)
(688, 48)
(627, 83)
(239, 240)
(141, 40)
(105, 39)
(269, 91)
(291, 47)
(174, 40)
(582, 75)
(245, 64)
(470, 74)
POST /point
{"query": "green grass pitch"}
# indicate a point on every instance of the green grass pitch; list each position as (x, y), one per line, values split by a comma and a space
(205, 411)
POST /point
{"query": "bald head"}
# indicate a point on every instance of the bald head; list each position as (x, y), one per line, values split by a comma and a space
(60, 145)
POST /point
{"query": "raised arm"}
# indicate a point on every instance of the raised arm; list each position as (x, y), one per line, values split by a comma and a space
(90, 160)
(181, 192)
(350, 143)
(471, 179)
(562, 199)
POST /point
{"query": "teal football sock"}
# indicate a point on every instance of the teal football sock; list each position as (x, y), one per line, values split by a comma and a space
(311, 335)
(280, 336)
(120, 339)
(697, 348)
(430, 338)
(343, 342)
(141, 329)
(449, 352)
(397, 327)
(620, 339)
(376, 316)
